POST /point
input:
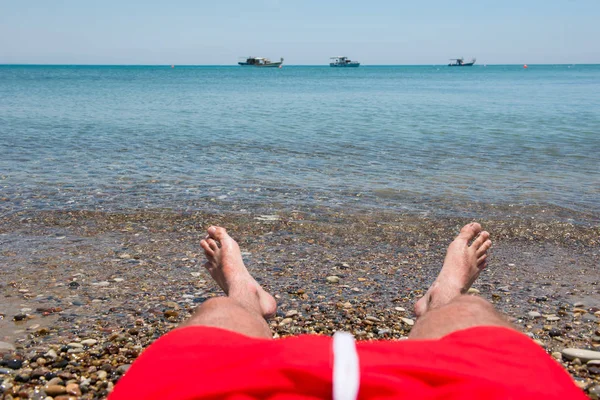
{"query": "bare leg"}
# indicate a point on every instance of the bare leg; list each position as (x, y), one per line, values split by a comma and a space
(444, 308)
(246, 305)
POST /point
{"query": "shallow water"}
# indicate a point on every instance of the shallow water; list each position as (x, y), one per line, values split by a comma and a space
(416, 139)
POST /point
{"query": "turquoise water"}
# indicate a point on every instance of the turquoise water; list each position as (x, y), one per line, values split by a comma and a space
(420, 139)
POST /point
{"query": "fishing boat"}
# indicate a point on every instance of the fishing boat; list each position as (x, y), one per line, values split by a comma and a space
(341, 61)
(260, 62)
(460, 62)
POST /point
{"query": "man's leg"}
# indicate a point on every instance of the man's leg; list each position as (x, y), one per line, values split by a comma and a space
(246, 305)
(444, 308)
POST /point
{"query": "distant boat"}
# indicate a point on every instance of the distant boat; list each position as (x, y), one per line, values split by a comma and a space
(341, 61)
(260, 62)
(460, 62)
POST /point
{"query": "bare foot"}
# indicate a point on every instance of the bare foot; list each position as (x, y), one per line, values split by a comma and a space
(228, 270)
(462, 266)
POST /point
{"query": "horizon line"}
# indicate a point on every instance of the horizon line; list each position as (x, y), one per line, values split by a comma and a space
(286, 65)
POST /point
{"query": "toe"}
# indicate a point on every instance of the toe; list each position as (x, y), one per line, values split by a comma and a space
(482, 261)
(207, 250)
(469, 231)
(484, 248)
(213, 245)
(483, 236)
(219, 234)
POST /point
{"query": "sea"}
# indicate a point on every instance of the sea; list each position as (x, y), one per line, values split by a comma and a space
(428, 140)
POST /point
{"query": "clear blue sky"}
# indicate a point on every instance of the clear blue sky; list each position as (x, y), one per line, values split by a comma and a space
(302, 31)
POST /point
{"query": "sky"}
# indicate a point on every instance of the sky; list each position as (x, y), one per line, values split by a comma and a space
(374, 32)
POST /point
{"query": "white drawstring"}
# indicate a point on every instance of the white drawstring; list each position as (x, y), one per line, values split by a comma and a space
(346, 372)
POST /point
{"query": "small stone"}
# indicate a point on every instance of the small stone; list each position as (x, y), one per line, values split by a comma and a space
(14, 363)
(172, 304)
(75, 345)
(372, 318)
(55, 381)
(291, 313)
(384, 332)
(286, 321)
(557, 355)
(55, 390)
(583, 355)
(51, 354)
(594, 362)
(5, 371)
(539, 342)
(473, 291)
(589, 317)
(20, 317)
(400, 309)
(552, 318)
(102, 284)
(102, 375)
(171, 313)
(89, 342)
(123, 368)
(124, 256)
(39, 372)
(65, 397)
(578, 304)
(554, 332)
(408, 321)
(595, 391)
(333, 279)
(347, 305)
(73, 389)
(534, 314)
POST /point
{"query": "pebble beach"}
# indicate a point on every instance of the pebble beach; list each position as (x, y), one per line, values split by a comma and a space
(83, 293)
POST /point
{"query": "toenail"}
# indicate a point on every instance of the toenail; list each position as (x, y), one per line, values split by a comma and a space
(212, 229)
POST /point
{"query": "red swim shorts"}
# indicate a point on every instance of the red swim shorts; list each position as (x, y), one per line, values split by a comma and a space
(478, 363)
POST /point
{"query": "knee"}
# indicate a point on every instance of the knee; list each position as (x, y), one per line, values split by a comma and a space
(214, 304)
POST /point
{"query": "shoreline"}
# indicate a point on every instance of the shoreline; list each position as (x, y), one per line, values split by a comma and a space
(117, 281)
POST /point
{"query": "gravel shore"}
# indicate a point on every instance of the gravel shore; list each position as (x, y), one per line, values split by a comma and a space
(83, 293)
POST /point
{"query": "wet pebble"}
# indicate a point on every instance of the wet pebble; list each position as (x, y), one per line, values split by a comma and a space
(51, 354)
(333, 279)
(89, 342)
(555, 332)
(291, 313)
(534, 314)
(123, 368)
(102, 375)
(73, 389)
(14, 363)
(55, 390)
(408, 321)
(581, 354)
